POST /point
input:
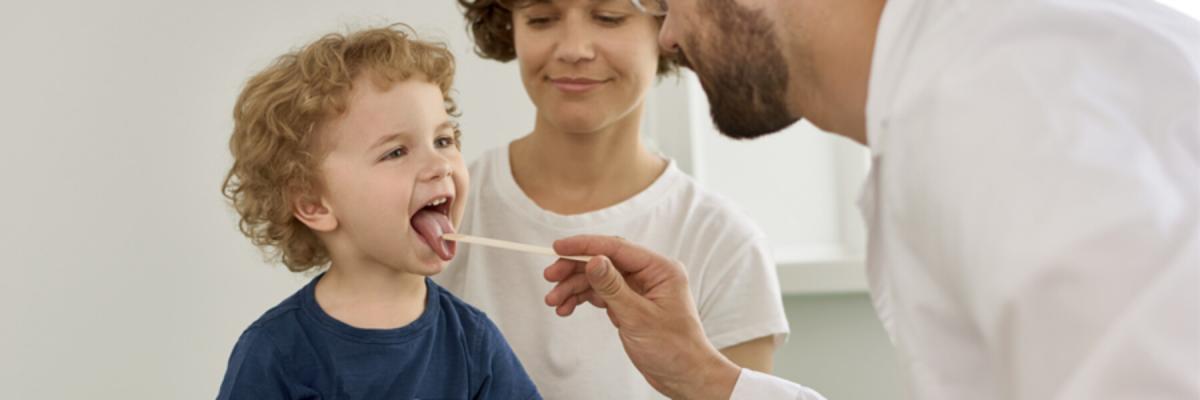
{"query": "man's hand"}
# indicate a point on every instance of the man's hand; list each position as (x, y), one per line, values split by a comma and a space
(647, 299)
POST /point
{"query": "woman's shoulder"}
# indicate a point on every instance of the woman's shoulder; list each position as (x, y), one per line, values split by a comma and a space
(487, 162)
(701, 210)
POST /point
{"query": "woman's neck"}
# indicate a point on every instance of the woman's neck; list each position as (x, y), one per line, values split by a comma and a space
(577, 172)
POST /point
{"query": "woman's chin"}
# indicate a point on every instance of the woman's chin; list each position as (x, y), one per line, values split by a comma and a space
(577, 118)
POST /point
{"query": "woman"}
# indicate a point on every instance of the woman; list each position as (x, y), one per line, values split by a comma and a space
(587, 66)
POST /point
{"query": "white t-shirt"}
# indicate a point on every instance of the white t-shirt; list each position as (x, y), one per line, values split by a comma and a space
(1034, 200)
(729, 265)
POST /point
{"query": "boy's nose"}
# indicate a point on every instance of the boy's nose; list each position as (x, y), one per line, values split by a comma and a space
(438, 168)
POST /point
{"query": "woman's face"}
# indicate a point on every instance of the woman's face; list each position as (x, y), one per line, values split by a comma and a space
(586, 64)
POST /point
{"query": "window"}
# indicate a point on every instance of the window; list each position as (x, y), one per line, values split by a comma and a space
(800, 185)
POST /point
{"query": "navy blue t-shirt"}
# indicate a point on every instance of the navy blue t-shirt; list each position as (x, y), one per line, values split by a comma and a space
(297, 351)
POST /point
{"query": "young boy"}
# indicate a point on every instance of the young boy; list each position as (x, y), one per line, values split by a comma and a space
(345, 156)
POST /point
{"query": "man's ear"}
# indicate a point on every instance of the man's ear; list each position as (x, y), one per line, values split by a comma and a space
(314, 212)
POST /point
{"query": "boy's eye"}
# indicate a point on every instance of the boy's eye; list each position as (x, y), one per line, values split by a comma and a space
(444, 142)
(397, 153)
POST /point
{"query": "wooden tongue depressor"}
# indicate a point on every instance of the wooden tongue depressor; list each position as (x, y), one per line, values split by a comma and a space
(457, 237)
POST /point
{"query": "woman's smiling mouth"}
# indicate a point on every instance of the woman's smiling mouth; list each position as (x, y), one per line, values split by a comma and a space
(576, 85)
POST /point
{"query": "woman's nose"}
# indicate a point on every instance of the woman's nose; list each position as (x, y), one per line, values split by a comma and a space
(575, 45)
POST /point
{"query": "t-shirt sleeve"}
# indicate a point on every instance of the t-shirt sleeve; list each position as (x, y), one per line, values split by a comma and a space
(255, 370)
(498, 372)
(753, 385)
(739, 296)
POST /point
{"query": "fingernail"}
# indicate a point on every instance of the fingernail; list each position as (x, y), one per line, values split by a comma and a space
(599, 272)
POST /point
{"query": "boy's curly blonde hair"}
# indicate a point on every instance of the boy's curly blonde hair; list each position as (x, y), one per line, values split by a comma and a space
(274, 146)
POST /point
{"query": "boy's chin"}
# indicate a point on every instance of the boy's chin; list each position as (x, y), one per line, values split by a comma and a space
(428, 265)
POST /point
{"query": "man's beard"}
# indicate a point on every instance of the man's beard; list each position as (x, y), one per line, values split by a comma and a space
(746, 86)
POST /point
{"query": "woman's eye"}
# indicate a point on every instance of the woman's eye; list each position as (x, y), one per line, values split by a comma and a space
(610, 19)
(397, 153)
(538, 21)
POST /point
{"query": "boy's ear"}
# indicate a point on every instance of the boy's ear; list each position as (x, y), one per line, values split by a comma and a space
(314, 212)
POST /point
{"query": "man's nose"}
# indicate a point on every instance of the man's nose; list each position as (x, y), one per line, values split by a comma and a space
(668, 40)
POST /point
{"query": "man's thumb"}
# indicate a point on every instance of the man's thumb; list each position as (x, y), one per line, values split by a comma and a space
(606, 281)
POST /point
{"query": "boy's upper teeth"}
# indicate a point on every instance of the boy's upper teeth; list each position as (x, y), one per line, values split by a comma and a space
(437, 202)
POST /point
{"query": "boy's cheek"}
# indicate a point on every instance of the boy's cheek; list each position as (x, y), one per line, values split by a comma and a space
(462, 187)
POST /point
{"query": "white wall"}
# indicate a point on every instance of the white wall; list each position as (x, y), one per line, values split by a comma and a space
(125, 276)
(838, 347)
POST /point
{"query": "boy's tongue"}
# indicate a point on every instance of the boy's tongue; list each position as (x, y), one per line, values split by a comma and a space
(431, 225)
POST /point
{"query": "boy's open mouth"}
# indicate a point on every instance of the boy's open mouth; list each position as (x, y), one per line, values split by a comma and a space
(432, 221)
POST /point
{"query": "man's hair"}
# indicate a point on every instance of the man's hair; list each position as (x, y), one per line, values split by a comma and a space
(275, 149)
(490, 24)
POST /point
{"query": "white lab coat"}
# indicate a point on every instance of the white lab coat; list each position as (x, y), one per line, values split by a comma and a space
(1034, 201)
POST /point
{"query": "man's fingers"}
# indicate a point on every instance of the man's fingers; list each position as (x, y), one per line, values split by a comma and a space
(586, 244)
(628, 257)
(613, 261)
(608, 284)
(562, 269)
(590, 297)
(564, 290)
(566, 308)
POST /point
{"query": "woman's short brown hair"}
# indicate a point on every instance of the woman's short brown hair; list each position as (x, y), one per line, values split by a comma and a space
(490, 24)
(275, 149)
